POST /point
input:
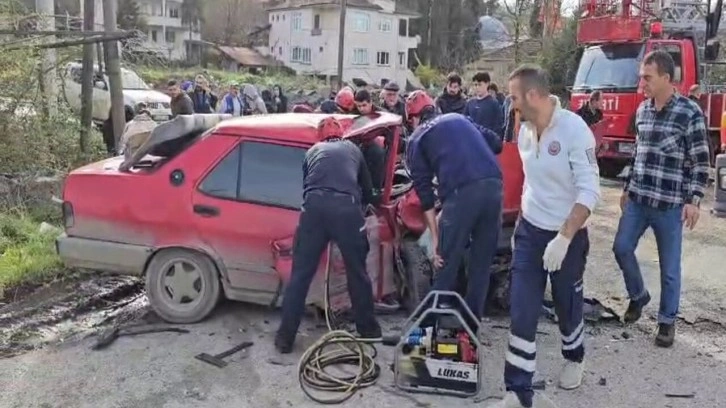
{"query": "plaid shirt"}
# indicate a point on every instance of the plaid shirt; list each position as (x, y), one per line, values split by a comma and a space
(671, 160)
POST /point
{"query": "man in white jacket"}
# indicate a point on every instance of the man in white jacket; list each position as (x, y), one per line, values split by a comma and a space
(561, 189)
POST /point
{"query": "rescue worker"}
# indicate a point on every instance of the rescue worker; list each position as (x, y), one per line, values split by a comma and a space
(337, 186)
(561, 188)
(469, 187)
(345, 101)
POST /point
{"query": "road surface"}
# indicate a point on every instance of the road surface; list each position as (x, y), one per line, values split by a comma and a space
(624, 368)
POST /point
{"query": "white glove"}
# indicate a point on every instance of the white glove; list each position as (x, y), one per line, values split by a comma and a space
(555, 253)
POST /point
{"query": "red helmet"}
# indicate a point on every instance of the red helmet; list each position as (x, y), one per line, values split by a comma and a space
(345, 99)
(416, 102)
(329, 128)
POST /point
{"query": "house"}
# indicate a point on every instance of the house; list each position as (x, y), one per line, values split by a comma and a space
(304, 36)
(167, 34)
(238, 59)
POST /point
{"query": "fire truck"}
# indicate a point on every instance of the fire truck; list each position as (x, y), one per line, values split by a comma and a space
(614, 36)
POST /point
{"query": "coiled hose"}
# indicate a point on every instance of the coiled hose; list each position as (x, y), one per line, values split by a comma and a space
(337, 348)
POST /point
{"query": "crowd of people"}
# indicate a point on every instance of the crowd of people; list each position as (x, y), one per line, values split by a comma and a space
(455, 141)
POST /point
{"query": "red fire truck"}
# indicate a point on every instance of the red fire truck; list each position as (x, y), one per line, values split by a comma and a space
(616, 34)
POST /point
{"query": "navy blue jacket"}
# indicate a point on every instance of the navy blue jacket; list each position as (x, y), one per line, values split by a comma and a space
(486, 112)
(455, 150)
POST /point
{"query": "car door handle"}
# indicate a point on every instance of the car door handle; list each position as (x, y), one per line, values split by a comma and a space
(206, 210)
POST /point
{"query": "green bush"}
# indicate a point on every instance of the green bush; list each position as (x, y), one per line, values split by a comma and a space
(26, 254)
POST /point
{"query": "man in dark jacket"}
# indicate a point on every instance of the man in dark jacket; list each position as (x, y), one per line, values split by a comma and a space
(591, 111)
(181, 103)
(203, 100)
(470, 190)
(452, 100)
(364, 103)
(336, 187)
(484, 109)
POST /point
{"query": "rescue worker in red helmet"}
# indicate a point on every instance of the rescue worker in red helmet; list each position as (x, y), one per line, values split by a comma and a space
(469, 187)
(345, 100)
(336, 189)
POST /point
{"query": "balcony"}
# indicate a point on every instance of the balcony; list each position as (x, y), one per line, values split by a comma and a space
(164, 21)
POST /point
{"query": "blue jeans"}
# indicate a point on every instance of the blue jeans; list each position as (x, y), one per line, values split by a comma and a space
(668, 229)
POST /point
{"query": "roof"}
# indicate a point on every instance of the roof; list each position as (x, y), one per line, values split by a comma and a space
(293, 4)
(248, 56)
(527, 47)
(302, 127)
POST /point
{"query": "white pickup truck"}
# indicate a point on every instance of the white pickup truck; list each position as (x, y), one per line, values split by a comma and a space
(135, 90)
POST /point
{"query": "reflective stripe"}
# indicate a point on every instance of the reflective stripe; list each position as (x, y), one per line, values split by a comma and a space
(519, 343)
(574, 334)
(521, 363)
(575, 339)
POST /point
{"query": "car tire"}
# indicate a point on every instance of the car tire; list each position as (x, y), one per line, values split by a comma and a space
(418, 273)
(185, 298)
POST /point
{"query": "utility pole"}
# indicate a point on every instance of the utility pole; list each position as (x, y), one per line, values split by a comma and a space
(46, 22)
(87, 77)
(113, 71)
(341, 42)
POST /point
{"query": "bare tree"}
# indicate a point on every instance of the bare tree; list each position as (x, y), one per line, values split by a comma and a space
(518, 15)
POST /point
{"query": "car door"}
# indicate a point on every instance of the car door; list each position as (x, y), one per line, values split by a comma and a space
(246, 201)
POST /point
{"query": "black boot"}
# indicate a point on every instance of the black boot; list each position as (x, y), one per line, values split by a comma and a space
(635, 309)
(666, 335)
(283, 343)
(372, 332)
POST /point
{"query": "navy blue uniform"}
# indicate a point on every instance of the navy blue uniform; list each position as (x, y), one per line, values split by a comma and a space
(462, 156)
(336, 187)
(486, 112)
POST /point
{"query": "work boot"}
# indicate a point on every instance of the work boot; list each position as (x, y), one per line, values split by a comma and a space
(635, 309)
(373, 332)
(571, 375)
(283, 343)
(666, 335)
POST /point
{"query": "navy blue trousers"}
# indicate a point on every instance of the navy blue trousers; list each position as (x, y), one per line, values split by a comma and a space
(470, 217)
(327, 217)
(529, 280)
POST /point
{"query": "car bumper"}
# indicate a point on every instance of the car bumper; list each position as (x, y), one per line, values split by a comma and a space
(102, 255)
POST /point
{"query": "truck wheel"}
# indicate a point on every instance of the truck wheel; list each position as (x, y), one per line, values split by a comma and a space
(418, 274)
(182, 285)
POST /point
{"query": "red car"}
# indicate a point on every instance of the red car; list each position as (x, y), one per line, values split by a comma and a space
(209, 206)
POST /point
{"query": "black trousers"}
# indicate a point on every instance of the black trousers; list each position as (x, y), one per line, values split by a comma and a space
(327, 217)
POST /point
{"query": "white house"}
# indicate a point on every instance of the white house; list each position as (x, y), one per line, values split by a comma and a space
(304, 37)
(166, 33)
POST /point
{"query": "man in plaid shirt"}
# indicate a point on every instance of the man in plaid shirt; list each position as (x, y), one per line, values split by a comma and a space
(664, 190)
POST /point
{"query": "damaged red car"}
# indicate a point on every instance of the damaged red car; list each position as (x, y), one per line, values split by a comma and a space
(207, 207)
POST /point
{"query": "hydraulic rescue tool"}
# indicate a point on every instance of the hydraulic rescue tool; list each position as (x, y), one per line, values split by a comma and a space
(439, 350)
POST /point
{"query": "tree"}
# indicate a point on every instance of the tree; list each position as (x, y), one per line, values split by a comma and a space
(129, 16)
(192, 15)
(561, 56)
(517, 12)
(491, 7)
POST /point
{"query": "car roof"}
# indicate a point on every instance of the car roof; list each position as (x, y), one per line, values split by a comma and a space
(302, 127)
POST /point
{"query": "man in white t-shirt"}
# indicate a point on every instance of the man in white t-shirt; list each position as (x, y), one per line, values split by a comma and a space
(561, 188)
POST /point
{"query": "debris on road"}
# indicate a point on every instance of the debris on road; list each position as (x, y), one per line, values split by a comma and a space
(217, 360)
(688, 395)
(110, 335)
(603, 381)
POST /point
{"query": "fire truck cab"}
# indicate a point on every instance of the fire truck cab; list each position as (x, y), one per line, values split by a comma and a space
(616, 34)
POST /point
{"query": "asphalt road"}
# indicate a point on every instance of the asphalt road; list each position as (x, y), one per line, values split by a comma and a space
(159, 370)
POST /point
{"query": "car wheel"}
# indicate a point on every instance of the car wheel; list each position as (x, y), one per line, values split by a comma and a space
(418, 273)
(182, 285)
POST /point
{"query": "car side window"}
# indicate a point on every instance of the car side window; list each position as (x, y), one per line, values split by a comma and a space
(272, 174)
(221, 182)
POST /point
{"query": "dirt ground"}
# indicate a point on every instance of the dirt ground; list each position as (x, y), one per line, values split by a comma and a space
(624, 368)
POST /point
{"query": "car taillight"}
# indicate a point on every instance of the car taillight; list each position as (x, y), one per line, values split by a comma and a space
(68, 218)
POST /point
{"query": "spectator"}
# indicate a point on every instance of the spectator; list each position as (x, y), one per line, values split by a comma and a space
(107, 129)
(181, 103)
(591, 111)
(137, 131)
(494, 92)
(483, 108)
(279, 100)
(266, 95)
(364, 103)
(694, 93)
(203, 100)
(452, 99)
(233, 102)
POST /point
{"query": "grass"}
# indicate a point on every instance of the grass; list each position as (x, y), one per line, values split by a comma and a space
(26, 254)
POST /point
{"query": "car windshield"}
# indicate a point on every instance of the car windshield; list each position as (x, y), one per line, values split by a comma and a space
(131, 80)
(611, 66)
